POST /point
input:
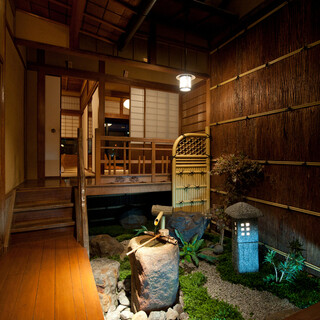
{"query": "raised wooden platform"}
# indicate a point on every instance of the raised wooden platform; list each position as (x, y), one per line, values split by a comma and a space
(48, 279)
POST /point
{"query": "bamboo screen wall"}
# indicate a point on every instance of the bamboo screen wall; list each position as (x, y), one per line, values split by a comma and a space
(193, 109)
(190, 173)
(267, 83)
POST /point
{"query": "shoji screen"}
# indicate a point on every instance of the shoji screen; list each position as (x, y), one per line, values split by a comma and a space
(137, 113)
(162, 114)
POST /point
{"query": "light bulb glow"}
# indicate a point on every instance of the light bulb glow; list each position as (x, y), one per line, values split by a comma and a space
(185, 81)
(126, 104)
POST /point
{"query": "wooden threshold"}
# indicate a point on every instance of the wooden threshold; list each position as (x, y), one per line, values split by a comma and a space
(48, 279)
(121, 188)
(44, 205)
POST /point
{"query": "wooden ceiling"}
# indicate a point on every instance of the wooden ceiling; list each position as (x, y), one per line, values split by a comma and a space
(117, 21)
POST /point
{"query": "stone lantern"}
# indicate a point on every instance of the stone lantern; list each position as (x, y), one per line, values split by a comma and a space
(245, 256)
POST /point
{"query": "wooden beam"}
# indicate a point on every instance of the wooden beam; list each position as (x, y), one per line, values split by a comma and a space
(107, 58)
(76, 21)
(126, 6)
(60, 4)
(104, 22)
(59, 71)
(97, 37)
(70, 93)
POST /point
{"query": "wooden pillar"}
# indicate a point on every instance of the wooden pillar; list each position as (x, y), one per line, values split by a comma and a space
(98, 156)
(2, 158)
(102, 84)
(208, 102)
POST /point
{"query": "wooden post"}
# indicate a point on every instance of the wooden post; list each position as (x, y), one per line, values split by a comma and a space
(124, 157)
(98, 156)
(207, 205)
(144, 165)
(167, 164)
(139, 163)
(109, 159)
(129, 157)
(153, 162)
(162, 164)
(82, 198)
(114, 164)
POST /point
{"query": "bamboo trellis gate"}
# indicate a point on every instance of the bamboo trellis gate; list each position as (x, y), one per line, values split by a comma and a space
(191, 172)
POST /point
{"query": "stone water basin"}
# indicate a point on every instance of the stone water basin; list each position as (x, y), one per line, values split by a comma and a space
(154, 274)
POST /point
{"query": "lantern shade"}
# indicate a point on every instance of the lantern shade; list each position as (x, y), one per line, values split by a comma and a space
(185, 81)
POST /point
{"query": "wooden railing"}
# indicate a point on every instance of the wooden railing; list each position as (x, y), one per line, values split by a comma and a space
(81, 199)
(140, 158)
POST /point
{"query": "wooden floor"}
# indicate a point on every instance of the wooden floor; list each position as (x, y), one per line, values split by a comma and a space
(48, 279)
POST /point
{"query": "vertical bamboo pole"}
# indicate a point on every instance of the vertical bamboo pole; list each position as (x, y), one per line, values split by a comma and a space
(153, 162)
(98, 156)
(207, 204)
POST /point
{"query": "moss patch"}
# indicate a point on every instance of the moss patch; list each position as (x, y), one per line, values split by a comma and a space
(125, 269)
(200, 305)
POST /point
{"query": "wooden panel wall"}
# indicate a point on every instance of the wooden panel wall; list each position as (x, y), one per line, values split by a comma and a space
(293, 135)
(193, 109)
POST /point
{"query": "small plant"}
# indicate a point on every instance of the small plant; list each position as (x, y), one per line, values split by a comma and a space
(140, 231)
(290, 268)
(191, 251)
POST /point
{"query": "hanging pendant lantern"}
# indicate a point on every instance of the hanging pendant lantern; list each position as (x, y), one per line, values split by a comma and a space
(185, 81)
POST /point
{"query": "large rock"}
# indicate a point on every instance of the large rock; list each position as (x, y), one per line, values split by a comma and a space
(154, 274)
(133, 218)
(188, 223)
(104, 245)
(106, 273)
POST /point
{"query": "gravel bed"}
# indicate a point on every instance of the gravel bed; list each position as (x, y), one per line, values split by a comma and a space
(253, 304)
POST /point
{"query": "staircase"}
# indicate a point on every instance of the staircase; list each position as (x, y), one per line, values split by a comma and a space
(42, 213)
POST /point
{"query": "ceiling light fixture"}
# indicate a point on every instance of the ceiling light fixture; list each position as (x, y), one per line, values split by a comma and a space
(185, 79)
(126, 104)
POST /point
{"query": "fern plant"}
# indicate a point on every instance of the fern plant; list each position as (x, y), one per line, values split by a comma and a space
(285, 270)
(140, 231)
(192, 251)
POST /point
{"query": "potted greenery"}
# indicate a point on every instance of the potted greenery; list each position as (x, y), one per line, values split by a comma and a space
(241, 175)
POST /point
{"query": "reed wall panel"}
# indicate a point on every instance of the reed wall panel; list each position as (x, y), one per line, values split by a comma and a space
(293, 135)
(193, 109)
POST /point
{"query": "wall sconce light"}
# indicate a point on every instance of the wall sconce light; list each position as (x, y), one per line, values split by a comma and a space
(185, 81)
(126, 104)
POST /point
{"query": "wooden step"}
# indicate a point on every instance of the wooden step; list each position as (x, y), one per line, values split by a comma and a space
(42, 205)
(43, 210)
(30, 195)
(34, 225)
(40, 235)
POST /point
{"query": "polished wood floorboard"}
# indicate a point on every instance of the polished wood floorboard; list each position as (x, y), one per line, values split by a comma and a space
(48, 279)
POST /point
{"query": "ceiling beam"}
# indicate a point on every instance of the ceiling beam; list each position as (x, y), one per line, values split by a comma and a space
(212, 9)
(135, 23)
(126, 6)
(76, 21)
(60, 4)
(97, 37)
(104, 22)
(107, 58)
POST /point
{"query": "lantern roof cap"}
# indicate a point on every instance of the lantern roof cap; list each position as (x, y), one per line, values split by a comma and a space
(243, 210)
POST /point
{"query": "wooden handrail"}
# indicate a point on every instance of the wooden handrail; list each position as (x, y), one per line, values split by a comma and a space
(129, 156)
(81, 199)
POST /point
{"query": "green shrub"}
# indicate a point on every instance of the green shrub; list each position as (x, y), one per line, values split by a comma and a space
(192, 251)
(198, 303)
